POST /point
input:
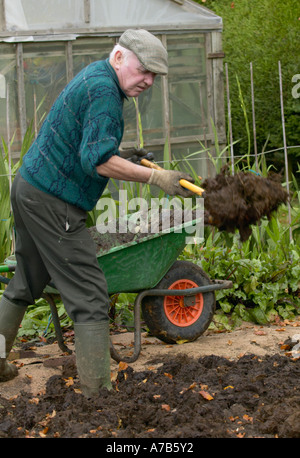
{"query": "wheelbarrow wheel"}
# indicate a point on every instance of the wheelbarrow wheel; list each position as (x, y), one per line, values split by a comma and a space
(180, 318)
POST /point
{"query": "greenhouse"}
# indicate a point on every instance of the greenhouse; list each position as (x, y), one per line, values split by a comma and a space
(45, 43)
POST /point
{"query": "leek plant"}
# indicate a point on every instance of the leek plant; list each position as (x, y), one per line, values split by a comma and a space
(8, 170)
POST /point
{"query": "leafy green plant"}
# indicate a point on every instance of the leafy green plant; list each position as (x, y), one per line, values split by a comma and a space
(264, 270)
(38, 320)
(122, 313)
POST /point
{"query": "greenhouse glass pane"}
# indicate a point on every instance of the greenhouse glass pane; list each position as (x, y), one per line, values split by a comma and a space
(187, 85)
(131, 133)
(150, 108)
(191, 156)
(9, 106)
(45, 77)
(88, 50)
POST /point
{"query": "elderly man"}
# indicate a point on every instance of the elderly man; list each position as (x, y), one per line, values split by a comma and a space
(62, 177)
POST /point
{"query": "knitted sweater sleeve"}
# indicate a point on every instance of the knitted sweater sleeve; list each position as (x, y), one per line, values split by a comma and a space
(102, 127)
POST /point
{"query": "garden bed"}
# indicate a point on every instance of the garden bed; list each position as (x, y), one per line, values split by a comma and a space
(224, 385)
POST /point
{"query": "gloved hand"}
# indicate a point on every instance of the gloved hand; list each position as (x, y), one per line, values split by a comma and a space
(136, 154)
(168, 181)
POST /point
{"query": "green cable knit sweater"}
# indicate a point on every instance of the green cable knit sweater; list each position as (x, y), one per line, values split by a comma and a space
(83, 129)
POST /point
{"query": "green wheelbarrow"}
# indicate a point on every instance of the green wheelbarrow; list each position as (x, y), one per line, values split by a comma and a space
(175, 298)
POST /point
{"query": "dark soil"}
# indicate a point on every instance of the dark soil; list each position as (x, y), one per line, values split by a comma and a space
(210, 397)
(238, 201)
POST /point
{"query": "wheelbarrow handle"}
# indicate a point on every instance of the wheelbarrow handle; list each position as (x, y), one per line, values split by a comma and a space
(184, 183)
(7, 268)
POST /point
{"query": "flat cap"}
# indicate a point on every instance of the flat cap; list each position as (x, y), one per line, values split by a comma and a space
(149, 50)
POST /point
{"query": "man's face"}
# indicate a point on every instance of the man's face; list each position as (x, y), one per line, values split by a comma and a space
(133, 77)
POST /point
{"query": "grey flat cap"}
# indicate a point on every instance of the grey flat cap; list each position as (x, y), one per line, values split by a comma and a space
(149, 50)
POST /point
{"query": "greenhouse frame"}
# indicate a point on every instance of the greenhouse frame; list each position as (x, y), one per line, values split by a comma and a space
(44, 44)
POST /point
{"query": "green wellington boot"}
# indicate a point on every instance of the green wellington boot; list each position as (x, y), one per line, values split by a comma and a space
(11, 316)
(92, 349)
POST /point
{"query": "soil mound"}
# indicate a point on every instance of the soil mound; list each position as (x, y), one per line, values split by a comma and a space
(211, 397)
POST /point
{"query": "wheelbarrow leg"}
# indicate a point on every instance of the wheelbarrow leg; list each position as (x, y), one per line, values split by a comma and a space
(137, 335)
(55, 318)
(217, 285)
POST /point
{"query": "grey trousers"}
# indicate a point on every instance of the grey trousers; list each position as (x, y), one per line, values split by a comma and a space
(52, 243)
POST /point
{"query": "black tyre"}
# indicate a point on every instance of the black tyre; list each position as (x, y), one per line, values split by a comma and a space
(178, 318)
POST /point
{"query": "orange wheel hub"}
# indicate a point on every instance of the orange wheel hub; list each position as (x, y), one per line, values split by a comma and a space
(183, 310)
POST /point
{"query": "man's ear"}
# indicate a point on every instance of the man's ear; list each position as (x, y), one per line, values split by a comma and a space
(117, 60)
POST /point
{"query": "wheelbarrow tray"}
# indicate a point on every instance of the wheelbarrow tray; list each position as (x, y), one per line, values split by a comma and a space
(140, 265)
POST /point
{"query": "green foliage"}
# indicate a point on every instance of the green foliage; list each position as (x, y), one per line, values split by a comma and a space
(123, 311)
(38, 320)
(264, 270)
(262, 32)
(7, 169)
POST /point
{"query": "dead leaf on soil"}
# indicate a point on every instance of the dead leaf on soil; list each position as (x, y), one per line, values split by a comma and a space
(247, 418)
(166, 407)
(206, 395)
(147, 342)
(93, 431)
(193, 385)
(168, 375)
(203, 387)
(44, 432)
(113, 376)
(260, 333)
(122, 366)
(69, 381)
